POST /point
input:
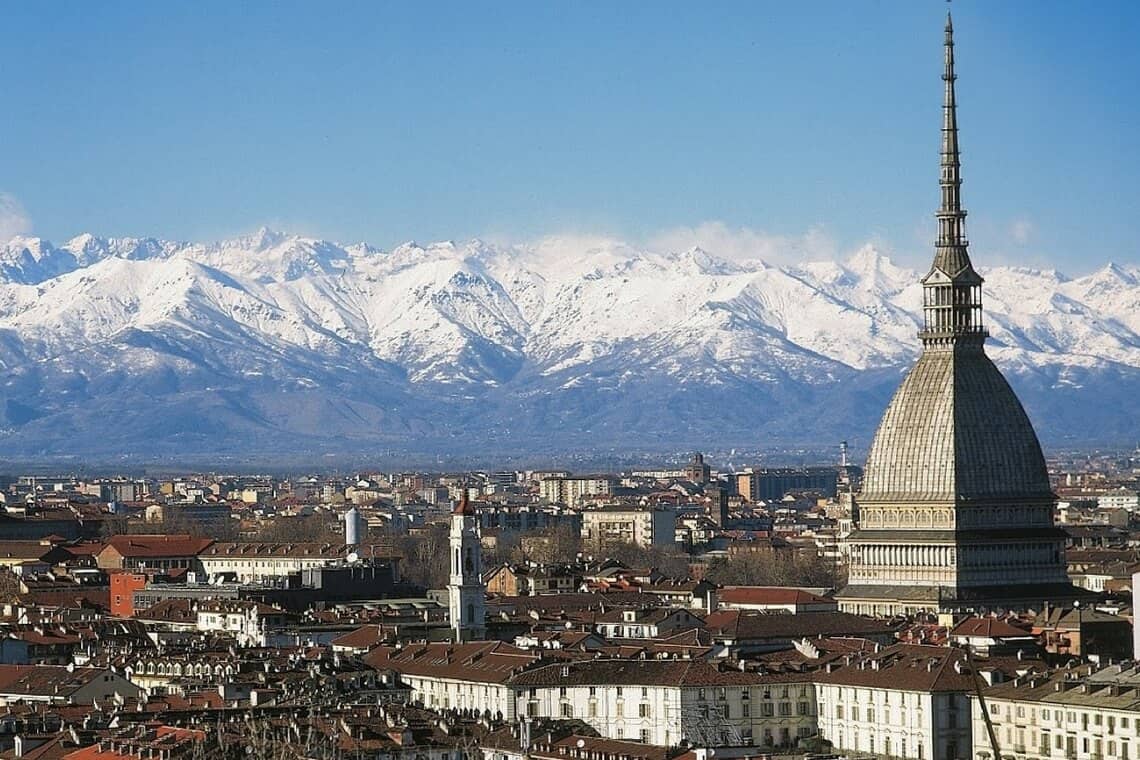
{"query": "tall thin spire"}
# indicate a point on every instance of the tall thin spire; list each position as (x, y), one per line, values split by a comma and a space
(952, 291)
(951, 253)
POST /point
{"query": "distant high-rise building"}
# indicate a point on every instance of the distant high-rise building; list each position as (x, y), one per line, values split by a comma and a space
(956, 510)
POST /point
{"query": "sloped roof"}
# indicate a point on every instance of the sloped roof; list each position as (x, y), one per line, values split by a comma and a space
(769, 595)
(955, 431)
(158, 545)
(989, 627)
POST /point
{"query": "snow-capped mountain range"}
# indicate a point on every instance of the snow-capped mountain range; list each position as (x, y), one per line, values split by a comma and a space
(275, 342)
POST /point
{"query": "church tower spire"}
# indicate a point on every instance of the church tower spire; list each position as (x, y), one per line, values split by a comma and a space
(952, 290)
(466, 591)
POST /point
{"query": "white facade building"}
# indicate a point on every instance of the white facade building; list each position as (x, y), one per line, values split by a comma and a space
(665, 702)
(903, 701)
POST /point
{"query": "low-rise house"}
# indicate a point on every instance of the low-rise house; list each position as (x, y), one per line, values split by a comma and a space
(37, 645)
(989, 635)
(773, 599)
(1083, 632)
(645, 623)
(62, 684)
(523, 580)
(694, 594)
(744, 633)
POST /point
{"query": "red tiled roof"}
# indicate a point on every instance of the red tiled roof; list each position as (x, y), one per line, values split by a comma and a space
(481, 661)
(769, 595)
(159, 545)
(989, 627)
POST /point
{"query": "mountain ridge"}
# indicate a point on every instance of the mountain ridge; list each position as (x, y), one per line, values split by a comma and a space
(276, 342)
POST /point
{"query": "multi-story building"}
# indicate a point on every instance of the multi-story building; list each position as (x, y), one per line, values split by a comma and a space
(1120, 498)
(151, 552)
(254, 561)
(571, 491)
(248, 622)
(1072, 713)
(640, 525)
(904, 701)
(668, 702)
(467, 676)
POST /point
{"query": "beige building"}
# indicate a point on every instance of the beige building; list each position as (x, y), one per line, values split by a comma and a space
(1070, 714)
(571, 491)
(252, 562)
(642, 526)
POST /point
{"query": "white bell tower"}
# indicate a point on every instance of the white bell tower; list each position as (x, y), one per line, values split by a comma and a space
(466, 591)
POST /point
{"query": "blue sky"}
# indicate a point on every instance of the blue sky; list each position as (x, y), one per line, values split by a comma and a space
(814, 124)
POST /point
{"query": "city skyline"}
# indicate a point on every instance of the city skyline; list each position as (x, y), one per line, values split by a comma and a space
(760, 130)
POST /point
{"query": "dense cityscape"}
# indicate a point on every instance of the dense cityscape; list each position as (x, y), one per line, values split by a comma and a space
(957, 593)
(643, 614)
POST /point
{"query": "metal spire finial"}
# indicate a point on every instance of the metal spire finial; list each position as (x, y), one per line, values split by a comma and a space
(952, 305)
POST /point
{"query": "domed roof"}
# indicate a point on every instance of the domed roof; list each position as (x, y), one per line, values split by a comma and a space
(955, 431)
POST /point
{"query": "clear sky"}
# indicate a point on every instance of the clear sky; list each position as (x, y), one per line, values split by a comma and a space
(807, 123)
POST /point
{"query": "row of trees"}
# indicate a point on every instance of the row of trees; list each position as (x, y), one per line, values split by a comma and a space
(426, 559)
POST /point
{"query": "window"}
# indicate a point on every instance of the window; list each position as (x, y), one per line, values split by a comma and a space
(562, 691)
(645, 692)
(645, 735)
(593, 691)
(643, 710)
(567, 710)
(785, 709)
(802, 708)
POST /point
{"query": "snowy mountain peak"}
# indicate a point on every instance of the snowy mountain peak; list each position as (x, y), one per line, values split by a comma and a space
(277, 332)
